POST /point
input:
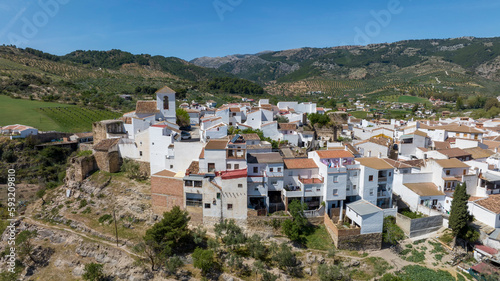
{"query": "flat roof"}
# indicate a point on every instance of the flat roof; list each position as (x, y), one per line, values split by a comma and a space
(451, 163)
(363, 207)
(374, 163)
(216, 144)
(424, 189)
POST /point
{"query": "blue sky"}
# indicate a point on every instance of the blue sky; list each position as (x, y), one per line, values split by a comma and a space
(190, 29)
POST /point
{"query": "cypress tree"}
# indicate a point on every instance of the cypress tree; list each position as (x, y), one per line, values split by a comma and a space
(459, 214)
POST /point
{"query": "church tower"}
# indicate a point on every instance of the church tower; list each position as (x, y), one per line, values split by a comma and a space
(165, 101)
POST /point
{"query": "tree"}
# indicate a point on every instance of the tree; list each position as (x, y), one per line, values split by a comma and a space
(230, 234)
(459, 104)
(256, 248)
(173, 264)
(182, 117)
(170, 235)
(331, 273)
(132, 170)
(286, 259)
(26, 245)
(40, 194)
(204, 260)
(391, 233)
(459, 214)
(93, 272)
(172, 231)
(295, 227)
(281, 119)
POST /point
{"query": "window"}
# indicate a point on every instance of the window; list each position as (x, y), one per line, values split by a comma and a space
(218, 195)
(465, 171)
(188, 183)
(447, 201)
(197, 184)
(228, 166)
(355, 174)
(274, 182)
(290, 173)
(279, 169)
(390, 174)
(335, 192)
(255, 170)
(152, 143)
(270, 169)
(207, 205)
(354, 187)
(140, 153)
(236, 166)
(165, 102)
(240, 185)
(421, 202)
(370, 178)
(171, 166)
(229, 206)
(447, 172)
(335, 178)
(211, 167)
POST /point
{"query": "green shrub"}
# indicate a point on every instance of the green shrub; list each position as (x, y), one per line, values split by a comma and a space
(104, 218)
(83, 203)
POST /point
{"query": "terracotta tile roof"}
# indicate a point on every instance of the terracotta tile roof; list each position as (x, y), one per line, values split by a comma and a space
(478, 152)
(492, 203)
(272, 157)
(202, 153)
(84, 135)
(487, 249)
(164, 173)
(420, 133)
(165, 90)
(216, 144)
(376, 140)
(191, 110)
(454, 152)
(287, 126)
(106, 145)
(234, 109)
(423, 149)
(415, 163)
(351, 149)
(194, 168)
(396, 164)
(146, 107)
(374, 163)
(441, 145)
(299, 163)
(451, 163)
(460, 129)
(335, 153)
(492, 144)
(424, 188)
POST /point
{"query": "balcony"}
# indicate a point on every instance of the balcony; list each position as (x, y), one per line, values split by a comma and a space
(194, 203)
(273, 174)
(292, 191)
(313, 191)
(312, 180)
(381, 179)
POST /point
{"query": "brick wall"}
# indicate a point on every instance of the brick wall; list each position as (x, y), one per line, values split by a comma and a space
(166, 193)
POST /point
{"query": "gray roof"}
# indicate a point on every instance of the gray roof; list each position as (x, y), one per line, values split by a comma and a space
(272, 157)
(363, 207)
(495, 234)
(491, 176)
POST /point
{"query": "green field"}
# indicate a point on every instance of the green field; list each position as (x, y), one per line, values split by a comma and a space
(412, 99)
(47, 116)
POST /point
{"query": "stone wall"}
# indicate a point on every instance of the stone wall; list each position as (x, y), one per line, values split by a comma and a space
(99, 131)
(417, 227)
(166, 193)
(81, 168)
(108, 161)
(49, 136)
(351, 239)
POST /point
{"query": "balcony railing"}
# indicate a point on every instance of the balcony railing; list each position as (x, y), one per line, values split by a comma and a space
(194, 203)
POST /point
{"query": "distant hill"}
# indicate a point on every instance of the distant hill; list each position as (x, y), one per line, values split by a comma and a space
(376, 66)
(97, 78)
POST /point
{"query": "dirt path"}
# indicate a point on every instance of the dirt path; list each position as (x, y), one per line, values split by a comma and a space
(94, 239)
